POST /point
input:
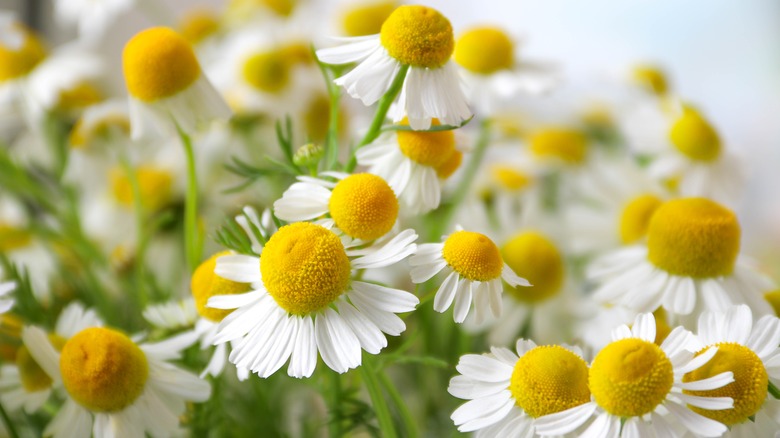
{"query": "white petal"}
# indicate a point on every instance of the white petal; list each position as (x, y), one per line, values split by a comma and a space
(385, 298)
(238, 268)
(696, 423)
(462, 301)
(371, 338)
(42, 351)
(446, 293)
(563, 422)
(338, 345)
(304, 355)
(644, 327)
(484, 368)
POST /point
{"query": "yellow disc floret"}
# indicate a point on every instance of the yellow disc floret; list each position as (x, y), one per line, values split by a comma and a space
(30, 373)
(510, 178)
(567, 145)
(651, 78)
(485, 50)
(630, 377)
(695, 137)
(155, 187)
(418, 36)
(16, 62)
(473, 255)
(206, 284)
(364, 206)
(749, 388)
(693, 237)
(304, 267)
(450, 165)
(268, 72)
(158, 63)
(534, 257)
(635, 217)
(431, 149)
(367, 19)
(103, 370)
(549, 379)
(198, 25)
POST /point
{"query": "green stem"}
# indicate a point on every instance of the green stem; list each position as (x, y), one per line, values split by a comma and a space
(138, 208)
(331, 145)
(191, 235)
(8, 423)
(369, 373)
(406, 415)
(334, 427)
(774, 390)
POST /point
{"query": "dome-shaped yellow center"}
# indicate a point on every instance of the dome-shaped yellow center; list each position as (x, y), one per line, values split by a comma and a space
(367, 19)
(206, 284)
(534, 257)
(693, 237)
(198, 25)
(450, 165)
(304, 267)
(630, 377)
(567, 145)
(485, 50)
(30, 373)
(16, 62)
(363, 206)
(694, 137)
(635, 217)
(651, 78)
(158, 63)
(510, 178)
(103, 370)
(418, 36)
(155, 185)
(12, 238)
(268, 72)
(549, 379)
(473, 256)
(749, 388)
(431, 149)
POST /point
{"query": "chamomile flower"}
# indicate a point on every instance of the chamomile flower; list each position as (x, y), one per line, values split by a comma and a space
(474, 267)
(166, 85)
(304, 300)
(114, 386)
(507, 392)
(690, 261)
(417, 38)
(637, 388)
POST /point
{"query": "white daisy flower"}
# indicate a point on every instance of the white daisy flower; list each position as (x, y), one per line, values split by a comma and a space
(172, 315)
(690, 263)
(6, 300)
(114, 386)
(417, 40)
(474, 267)
(166, 85)
(637, 388)
(305, 301)
(507, 392)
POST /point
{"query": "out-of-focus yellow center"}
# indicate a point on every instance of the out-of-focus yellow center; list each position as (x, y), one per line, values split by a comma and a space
(268, 72)
(749, 388)
(30, 373)
(534, 257)
(651, 78)
(158, 63)
(630, 377)
(635, 217)
(773, 298)
(80, 96)
(450, 165)
(363, 206)
(366, 19)
(567, 145)
(84, 134)
(12, 238)
(510, 178)
(485, 50)
(304, 267)
(103, 370)
(473, 256)
(418, 36)
(549, 379)
(206, 284)
(283, 8)
(16, 62)
(693, 237)
(431, 149)
(198, 25)
(662, 327)
(155, 186)
(695, 137)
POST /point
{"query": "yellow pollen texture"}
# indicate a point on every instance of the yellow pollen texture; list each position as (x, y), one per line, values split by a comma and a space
(534, 257)
(749, 388)
(473, 255)
(158, 63)
(205, 284)
(431, 149)
(30, 373)
(450, 165)
(268, 72)
(694, 137)
(510, 178)
(154, 184)
(103, 370)
(485, 50)
(693, 237)
(568, 145)
(549, 379)
(630, 377)
(17, 62)
(635, 217)
(418, 36)
(367, 19)
(304, 267)
(363, 206)
(12, 238)
(651, 78)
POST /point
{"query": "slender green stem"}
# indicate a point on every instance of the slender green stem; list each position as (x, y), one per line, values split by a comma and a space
(406, 416)
(140, 250)
(369, 373)
(774, 390)
(332, 144)
(8, 423)
(192, 241)
(336, 393)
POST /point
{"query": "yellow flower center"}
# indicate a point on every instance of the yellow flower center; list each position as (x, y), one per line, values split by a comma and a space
(83, 135)
(534, 257)
(510, 178)
(364, 206)
(473, 256)
(17, 62)
(304, 267)
(418, 36)
(30, 373)
(549, 379)
(485, 50)
(694, 137)
(367, 19)
(80, 96)
(568, 145)
(316, 118)
(774, 300)
(635, 217)
(198, 25)
(450, 165)
(283, 8)
(431, 149)
(158, 63)
(12, 238)
(268, 72)
(749, 388)
(103, 370)
(693, 237)
(651, 78)
(206, 284)
(630, 377)
(155, 185)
